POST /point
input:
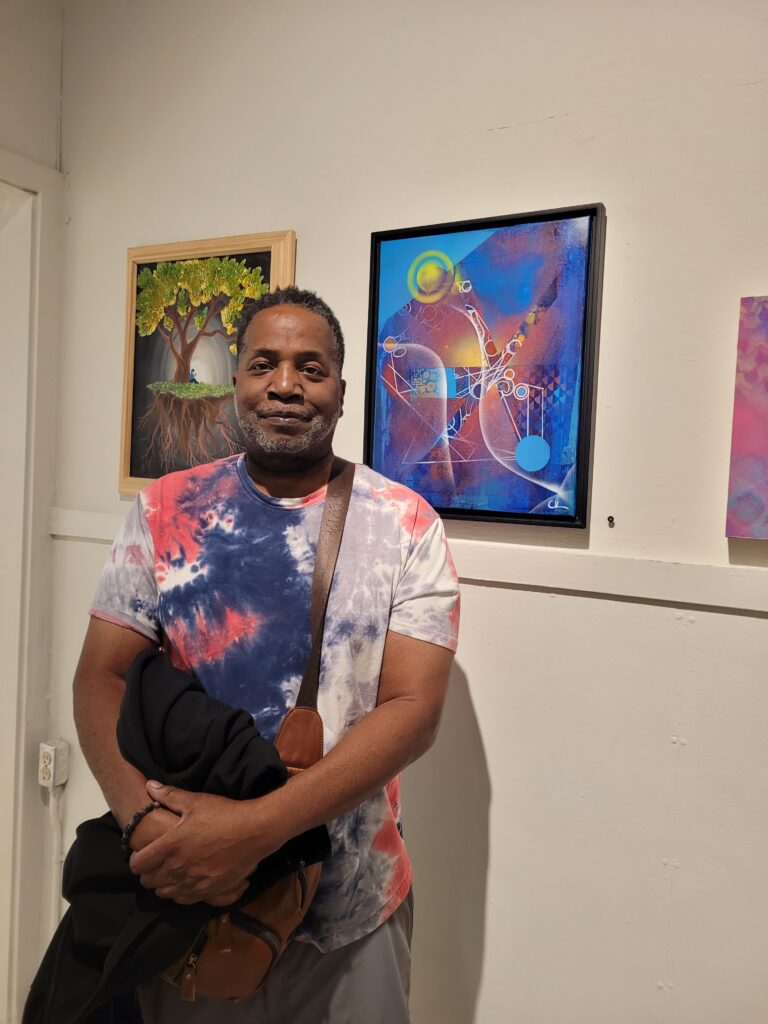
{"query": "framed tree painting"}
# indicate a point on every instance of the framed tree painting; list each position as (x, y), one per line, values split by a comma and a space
(183, 303)
(482, 360)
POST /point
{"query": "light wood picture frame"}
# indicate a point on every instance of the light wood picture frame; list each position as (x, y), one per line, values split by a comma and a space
(182, 304)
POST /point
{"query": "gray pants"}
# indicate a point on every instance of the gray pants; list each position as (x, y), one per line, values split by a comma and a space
(366, 982)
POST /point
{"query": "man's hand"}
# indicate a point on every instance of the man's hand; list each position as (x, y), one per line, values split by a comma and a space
(207, 855)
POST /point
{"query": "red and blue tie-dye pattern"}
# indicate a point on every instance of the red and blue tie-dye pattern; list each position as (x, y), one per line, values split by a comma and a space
(220, 574)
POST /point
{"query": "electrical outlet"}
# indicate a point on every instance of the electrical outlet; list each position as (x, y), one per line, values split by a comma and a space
(53, 763)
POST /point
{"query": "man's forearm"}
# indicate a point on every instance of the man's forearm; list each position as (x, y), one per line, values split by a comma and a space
(219, 842)
(403, 725)
(97, 706)
(98, 689)
(369, 756)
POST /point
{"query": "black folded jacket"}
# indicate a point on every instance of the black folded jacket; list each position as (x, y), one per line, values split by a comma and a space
(116, 934)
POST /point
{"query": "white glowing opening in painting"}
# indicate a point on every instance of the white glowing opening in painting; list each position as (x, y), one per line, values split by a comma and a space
(476, 390)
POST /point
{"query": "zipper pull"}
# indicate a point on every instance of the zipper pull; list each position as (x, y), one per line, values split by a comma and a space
(188, 978)
(224, 934)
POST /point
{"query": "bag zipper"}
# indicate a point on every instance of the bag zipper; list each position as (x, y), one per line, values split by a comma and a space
(186, 977)
(250, 924)
(302, 881)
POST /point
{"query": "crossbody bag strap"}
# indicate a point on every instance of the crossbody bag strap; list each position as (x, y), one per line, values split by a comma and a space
(337, 499)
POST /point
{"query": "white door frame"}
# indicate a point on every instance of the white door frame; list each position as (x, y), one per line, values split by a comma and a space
(23, 817)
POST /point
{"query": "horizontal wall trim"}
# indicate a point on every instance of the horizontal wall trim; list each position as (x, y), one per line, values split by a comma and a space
(724, 587)
(737, 588)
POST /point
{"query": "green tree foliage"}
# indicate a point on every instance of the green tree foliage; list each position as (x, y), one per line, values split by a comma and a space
(180, 300)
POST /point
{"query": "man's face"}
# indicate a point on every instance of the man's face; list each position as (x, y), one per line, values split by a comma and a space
(288, 390)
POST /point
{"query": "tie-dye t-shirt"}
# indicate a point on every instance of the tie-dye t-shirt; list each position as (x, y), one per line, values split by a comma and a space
(220, 574)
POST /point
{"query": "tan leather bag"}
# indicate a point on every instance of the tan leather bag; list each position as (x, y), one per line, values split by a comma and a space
(233, 954)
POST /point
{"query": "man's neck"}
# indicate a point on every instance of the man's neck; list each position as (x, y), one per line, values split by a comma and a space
(293, 483)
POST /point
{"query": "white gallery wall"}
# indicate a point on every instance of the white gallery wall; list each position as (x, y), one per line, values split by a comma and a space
(589, 832)
(30, 74)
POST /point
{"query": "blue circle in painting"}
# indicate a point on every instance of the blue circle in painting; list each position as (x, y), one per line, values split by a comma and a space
(532, 453)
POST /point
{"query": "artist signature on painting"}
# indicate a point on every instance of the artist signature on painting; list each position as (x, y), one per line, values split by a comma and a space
(556, 504)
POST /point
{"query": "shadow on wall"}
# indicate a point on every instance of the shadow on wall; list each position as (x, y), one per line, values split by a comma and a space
(446, 798)
(742, 551)
(513, 534)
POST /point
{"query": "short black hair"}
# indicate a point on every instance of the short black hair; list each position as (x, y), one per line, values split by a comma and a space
(292, 296)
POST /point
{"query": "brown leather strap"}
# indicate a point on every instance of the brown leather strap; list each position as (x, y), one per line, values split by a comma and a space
(337, 498)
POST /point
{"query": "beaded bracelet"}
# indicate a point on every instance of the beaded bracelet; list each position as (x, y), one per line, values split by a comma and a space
(130, 828)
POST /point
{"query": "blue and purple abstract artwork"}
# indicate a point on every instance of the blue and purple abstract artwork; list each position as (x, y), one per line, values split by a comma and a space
(479, 366)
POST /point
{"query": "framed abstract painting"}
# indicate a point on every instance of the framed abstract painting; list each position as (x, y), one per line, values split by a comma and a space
(482, 361)
(183, 303)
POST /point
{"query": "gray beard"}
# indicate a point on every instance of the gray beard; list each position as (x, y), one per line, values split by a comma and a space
(286, 452)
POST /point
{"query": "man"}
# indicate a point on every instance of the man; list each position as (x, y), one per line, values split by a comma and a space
(215, 563)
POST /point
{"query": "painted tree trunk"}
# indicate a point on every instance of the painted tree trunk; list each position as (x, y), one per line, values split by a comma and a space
(184, 361)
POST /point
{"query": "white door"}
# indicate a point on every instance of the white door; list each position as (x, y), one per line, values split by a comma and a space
(16, 221)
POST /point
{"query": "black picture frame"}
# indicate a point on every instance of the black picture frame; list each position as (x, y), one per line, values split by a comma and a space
(542, 255)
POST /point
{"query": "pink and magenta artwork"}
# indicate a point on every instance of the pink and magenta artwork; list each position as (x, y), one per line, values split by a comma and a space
(748, 485)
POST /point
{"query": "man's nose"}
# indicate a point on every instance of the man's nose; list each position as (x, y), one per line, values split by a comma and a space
(285, 381)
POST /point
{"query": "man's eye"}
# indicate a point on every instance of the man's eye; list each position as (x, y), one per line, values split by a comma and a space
(261, 366)
(313, 371)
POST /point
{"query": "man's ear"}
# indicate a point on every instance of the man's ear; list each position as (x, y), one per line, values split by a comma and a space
(343, 385)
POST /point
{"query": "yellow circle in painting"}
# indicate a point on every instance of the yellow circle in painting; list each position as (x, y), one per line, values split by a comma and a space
(430, 276)
(389, 344)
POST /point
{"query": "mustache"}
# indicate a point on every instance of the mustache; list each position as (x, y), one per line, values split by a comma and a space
(289, 411)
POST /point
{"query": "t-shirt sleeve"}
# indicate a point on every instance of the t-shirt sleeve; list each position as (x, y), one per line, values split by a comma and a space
(127, 592)
(426, 602)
